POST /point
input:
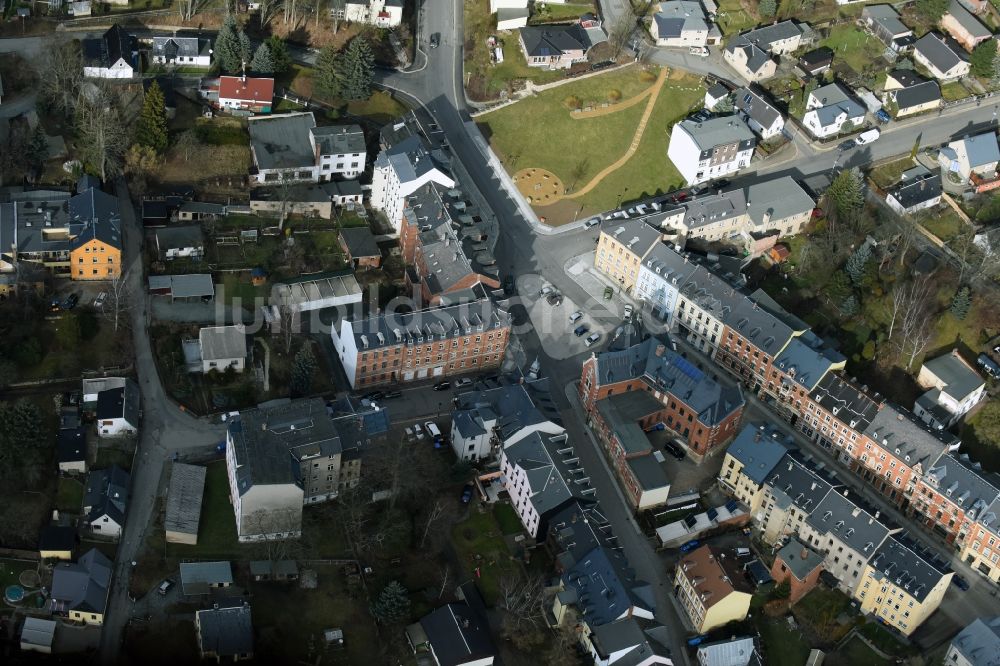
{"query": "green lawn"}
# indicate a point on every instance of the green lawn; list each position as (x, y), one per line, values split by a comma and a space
(883, 639)
(69, 496)
(217, 529)
(576, 150)
(781, 645)
(11, 569)
(820, 609)
(552, 13)
(887, 175)
(507, 519)
(478, 542)
(855, 653)
(733, 18)
(381, 107)
(853, 45)
(237, 285)
(108, 455)
(953, 91)
(944, 223)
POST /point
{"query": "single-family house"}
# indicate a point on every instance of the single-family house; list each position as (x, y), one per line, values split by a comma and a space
(912, 99)
(715, 94)
(360, 248)
(182, 51)
(884, 23)
(918, 190)
(222, 348)
(242, 93)
(180, 242)
(379, 13)
(225, 632)
(557, 46)
(110, 56)
(682, 23)
(976, 645)
(942, 60)
(800, 566)
(71, 450)
(57, 542)
(710, 149)
(456, 634)
(953, 388)
(972, 155)
(80, 589)
(184, 495)
(830, 110)
(750, 53)
(118, 410)
(762, 117)
(817, 61)
(105, 501)
(964, 27)
(37, 635)
(290, 146)
(711, 589)
(198, 579)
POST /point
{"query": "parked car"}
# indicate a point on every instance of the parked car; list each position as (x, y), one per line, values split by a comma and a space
(389, 395)
(463, 381)
(628, 310)
(165, 586)
(690, 545)
(71, 301)
(467, 493)
(409, 433)
(576, 316)
(581, 330)
(99, 301)
(700, 51)
(442, 385)
(608, 293)
(418, 432)
(868, 136)
(592, 339)
(847, 145)
(592, 222)
(373, 395)
(546, 290)
(435, 40)
(883, 116)
(433, 430)
(555, 298)
(674, 450)
(960, 582)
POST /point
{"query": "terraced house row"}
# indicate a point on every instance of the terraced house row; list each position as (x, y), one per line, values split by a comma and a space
(795, 502)
(777, 356)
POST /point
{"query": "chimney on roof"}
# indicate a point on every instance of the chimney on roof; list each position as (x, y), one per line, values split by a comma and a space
(804, 555)
(660, 349)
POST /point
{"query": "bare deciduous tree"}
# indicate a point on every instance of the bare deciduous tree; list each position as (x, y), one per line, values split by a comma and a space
(119, 300)
(521, 603)
(621, 31)
(61, 76)
(277, 525)
(267, 10)
(102, 132)
(289, 321)
(188, 8)
(436, 521)
(911, 305)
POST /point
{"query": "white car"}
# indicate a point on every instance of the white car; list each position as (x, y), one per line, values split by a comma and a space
(592, 339)
(99, 301)
(418, 432)
(700, 51)
(433, 430)
(546, 290)
(576, 316)
(628, 310)
(463, 381)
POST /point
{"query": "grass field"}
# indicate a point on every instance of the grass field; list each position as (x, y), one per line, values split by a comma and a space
(853, 46)
(576, 150)
(10, 570)
(552, 13)
(954, 91)
(886, 175)
(237, 285)
(733, 18)
(507, 519)
(854, 653)
(945, 224)
(69, 496)
(478, 542)
(781, 644)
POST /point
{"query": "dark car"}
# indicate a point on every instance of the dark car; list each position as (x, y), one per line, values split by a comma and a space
(508, 285)
(373, 395)
(960, 582)
(435, 40)
(847, 145)
(467, 493)
(555, 298)
(883, 116)
(71, 302)
(389, 395)
(442, 385)
(690, 545)
(674, 450)
(581, 330)
(55, 305)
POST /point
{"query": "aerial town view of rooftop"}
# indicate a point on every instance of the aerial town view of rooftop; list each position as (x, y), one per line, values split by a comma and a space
(482, 332)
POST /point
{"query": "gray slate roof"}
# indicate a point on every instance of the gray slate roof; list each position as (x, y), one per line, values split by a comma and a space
(794, 482)
(198, 577)
(677, 16)
(718, 131)
(963, 482)
(187, 487)
(918, 94)
(409, 159)
(850, 404)
(968, 22)
(605, 586)
(268, 441)
(982, 149)
(71, 445)
(835, 100)
(514, 407)
(81, 585)
(282, 141)
(554, 40)
(221, 343)
(898, 431)
(107, 493)
(906, 568)
(637, 235)
(339, 139)
(546, 470)
(734, 652)
(959, 379)
(621, 411)
(806, 365)
(458, 634)
(188, 235)
(800, 567)
(938, 52)
(753, 104)
(188, 47)
(226, 631)
(412, 326)
(760, 448)
(979, 642)
(648, 472)
(845, 515)
(105, 51)
(360, 242)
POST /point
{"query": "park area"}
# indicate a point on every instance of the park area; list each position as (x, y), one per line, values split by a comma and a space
(598, 142)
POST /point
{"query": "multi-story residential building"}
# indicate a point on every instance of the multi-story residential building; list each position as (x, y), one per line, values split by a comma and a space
(953, 388)
(620, 422)
(951, 496)
(705, 413)
(289, 147)
(621, 248)
(76, 236)
(848, 533)
(182, 51)
(834, 413)
(981, 550)
(762, 117)
(710, 149)
(751, 53)
(394, 347)
(792, 491)
(400, 170)
(976, 645)
(542, 475)
(711, 589)
(485, 419)
(831, 110)
(750, 459)
(901, 587)
(661, 274)
(682, 23)
(278, 459)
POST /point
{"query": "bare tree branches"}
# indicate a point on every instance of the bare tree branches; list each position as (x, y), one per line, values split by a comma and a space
(119, 300)
(267, 10)
(621, 31)
(911, 310)
(102, 132)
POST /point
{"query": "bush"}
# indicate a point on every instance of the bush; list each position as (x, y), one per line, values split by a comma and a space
(647, 76)
(572, 102)
(614, 95)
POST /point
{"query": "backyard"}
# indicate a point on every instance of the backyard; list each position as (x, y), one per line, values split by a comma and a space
(954, 90)
(853, 45)
(479, 545)
(575, 150)
(69, 496)
(734, 17)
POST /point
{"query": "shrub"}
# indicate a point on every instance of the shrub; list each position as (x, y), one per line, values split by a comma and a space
(572, 102)
(614, 95)
(647, 76)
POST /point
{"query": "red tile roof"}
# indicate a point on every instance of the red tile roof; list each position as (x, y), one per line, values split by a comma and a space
(246, 89)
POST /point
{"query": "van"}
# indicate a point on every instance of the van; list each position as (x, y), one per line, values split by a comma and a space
(743, 552)
(868, 136)
(433, 430)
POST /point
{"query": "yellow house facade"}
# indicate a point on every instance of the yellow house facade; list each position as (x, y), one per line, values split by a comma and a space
(981, 549)
(900, 588)
(95, 260)
(622, 247)
(750, 458)
(708, 590)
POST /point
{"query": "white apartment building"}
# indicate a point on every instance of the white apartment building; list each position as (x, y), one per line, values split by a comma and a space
(290, 146)
(711, 149)
(379, 13)
(399, 171)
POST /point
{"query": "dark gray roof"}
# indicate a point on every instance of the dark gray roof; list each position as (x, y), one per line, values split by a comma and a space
(71, 445)
(627, 639)
(713, 208)
(915, 95)
(81, 585)
(648, 472)
(671, 373)
(187, 487)
(99, 215)
(906, 77)
(182, 236)
(554, 40)
(514, 407)
(605, 586)
(203, 207)
(409, 159)
(835, 100)
(979, 642)
(805, 365)
(887, 19)
(819, 56)
(393, 328)
(107, 494)
(458, 634)
(198, 577)
(56, 537)
(958, 376)
(577, 529)
(360, 242)
(760, 448)
(548, 471)
(718, 91)
(846, 401)
(938, 52)
(114, 45)
(189, 47)
(637, 235)
(339, 139)
(844, 515)
(282, 141)
(226, 631)
(800, 566)
(676, 16)
(621, 411)
(963, 482)
(777, 199)
(717, 131)
(968, 22)
(268, 441)
(906, 568)
(753, 104)
(794, 482)
(917, 190)
(899, 432)
(284, 568)
(120, 403)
